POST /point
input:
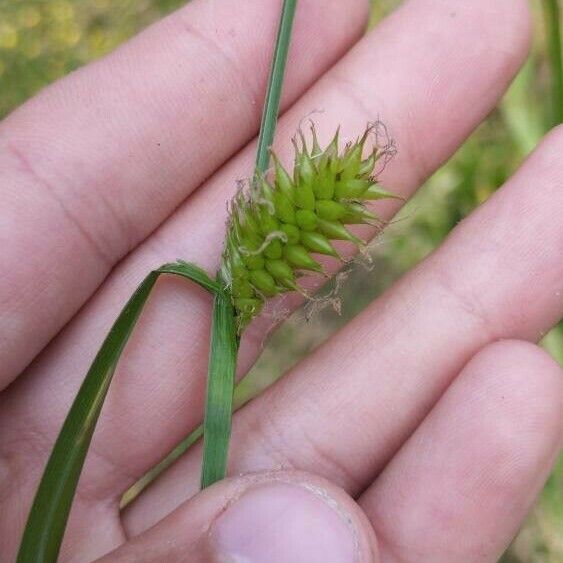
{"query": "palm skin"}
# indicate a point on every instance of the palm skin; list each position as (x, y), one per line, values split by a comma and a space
(430, 422)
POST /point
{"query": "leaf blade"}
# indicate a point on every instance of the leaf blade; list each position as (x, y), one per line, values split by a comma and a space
(47, 520)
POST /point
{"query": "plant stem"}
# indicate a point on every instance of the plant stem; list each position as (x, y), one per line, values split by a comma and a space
(552, 22)
(224, 340)
(220, 386)
(275, 81)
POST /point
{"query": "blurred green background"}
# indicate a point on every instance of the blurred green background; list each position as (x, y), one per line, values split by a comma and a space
(42, 40)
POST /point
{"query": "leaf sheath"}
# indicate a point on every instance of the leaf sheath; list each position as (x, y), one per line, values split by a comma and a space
(220, 387)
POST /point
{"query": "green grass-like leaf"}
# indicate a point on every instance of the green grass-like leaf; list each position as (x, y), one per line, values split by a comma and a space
(49, 514)
(220, 386)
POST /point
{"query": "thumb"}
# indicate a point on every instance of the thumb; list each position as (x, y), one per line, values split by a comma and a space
(281, 517)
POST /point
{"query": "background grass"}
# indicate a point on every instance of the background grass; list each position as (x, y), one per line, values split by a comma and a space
(41, 40)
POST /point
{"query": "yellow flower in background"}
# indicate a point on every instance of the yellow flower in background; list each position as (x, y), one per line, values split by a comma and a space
(32, 48)
(61, 10)
(8, 36)
(28, 17)
(66, 35)
(102, 4)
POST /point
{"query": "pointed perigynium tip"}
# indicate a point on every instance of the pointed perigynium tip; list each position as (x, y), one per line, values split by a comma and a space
(284, 220)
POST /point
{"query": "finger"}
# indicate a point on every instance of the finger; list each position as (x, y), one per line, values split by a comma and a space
(93, 164)
(345, 410)
(460, 487)
(277, 517)
(160, 410)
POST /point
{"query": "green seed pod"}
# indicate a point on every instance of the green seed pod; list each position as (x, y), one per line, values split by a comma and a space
(299, 258)
(240, 272)
(351, 163)
(331, 152)
(330, 210)
(249, 240)
(292, 233)
(281, 271)
(254, 262)
(268, 222)
(276, 227)
(305, 198)
(247, 308)
(242, 288)
(351, 189)
(306, 220)
(264, 189)
(315, 242)
(251, 227)
(375, 192)
(367, 166)
(324, 186)
(283, 180)
(274, 250)
(357, 214)
(305, 169)
(237, 267)
(285, 210)
(316, 150)
(335, 230)
(264, 282)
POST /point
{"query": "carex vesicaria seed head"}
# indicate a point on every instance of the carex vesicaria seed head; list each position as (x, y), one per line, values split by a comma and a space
(278, 224)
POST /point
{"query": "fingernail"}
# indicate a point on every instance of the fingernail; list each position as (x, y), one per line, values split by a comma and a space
(284, 523)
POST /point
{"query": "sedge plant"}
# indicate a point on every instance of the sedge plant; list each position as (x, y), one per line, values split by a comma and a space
(276, 228)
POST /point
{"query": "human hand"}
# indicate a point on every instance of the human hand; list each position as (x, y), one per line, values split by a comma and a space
(432, 409)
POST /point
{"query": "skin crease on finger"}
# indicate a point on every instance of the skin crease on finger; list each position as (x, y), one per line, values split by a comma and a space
(65, 378)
